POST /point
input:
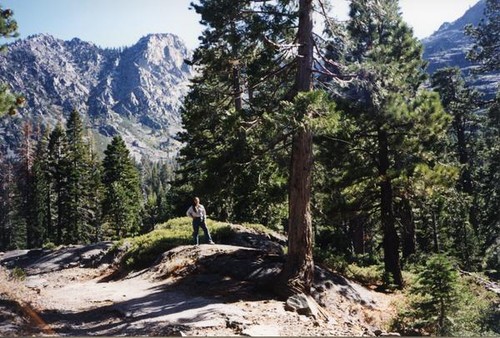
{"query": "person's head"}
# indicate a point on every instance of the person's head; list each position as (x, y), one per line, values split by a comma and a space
(196, 201)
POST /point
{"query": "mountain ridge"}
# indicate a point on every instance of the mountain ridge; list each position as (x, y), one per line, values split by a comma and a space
(448, 47)
(136, 91)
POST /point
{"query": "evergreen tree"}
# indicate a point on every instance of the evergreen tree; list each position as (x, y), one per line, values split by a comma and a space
(25, 179)
(297, 273)
(486, 52)
(390, 123)
(486, 36)
(78, 174)
(241, 117)
(462, 104)
(58, 168)
(230, 156)
(8, 29)
(490, 190)
(122, 194)
(42, 208)
(95, 197)
(12, 224)
(156, 178)
(437, 286)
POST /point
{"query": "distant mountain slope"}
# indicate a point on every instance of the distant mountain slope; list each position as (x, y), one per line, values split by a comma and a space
(448, 46)
(135, 91)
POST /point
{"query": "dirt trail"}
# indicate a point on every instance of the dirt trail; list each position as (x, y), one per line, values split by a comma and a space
(77, 301)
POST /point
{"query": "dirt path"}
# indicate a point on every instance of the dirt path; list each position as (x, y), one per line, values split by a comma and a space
(85, 301)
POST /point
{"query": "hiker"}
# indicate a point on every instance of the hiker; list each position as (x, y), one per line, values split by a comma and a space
(198, 214)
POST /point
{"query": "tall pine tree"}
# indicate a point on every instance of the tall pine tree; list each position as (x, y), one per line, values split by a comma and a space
(58, 168)
(122, 194)
(390, 120)
(229, 117)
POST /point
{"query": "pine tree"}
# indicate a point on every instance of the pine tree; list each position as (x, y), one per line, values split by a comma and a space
(25, 178)
(58, 168)
(486, 35)
(390, 122)
(490, 189)
(462, 104)
(297, 273)
(12, 224)
(42, 208)
(486, 52)
(437, 286)
(156, 177)
(8, 29)
(95, 196)
(79, 173)
(122, 194)
(228, 114)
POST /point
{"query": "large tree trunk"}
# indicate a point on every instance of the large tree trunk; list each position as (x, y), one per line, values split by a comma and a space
(391, 239)
(297, 274)
(238, 102)
(357, 233)
(408, 232)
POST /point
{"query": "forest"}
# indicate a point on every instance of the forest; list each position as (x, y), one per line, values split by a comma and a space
(338, 138)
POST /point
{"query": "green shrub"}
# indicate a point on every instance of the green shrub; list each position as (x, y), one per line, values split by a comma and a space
(18, 274)
(366, 275)
(440, 302)
(330, 260)
(48, 246)
(474, 314)
(432, 299)
(477, 312)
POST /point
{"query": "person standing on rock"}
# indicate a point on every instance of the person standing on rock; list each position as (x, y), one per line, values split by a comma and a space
(198, 214)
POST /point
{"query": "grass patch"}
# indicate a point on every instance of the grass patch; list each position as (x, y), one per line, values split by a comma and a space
(366, 275)
(142, 251)
(257, 227)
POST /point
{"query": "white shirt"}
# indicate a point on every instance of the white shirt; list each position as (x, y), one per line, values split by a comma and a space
(196, 213)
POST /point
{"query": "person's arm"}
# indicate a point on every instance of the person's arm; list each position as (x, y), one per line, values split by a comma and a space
(189, 212)
(203, 212)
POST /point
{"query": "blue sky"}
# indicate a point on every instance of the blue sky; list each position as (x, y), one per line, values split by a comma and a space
(116, 23)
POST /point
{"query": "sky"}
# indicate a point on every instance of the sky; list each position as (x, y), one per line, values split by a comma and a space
(120, 23)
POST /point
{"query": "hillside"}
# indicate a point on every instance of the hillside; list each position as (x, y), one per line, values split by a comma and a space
(135, 91)
(448, 47)
(214, 290)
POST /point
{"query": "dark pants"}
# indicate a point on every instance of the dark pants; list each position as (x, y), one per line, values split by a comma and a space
(197, 223)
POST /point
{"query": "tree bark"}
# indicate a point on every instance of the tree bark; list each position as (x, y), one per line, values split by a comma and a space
(390, 240)
(357, 232)
(435, 233)
(238, 102)
(297, 273)
(408, 232)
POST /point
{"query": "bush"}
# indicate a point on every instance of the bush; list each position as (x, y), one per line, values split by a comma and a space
(440, 302)
(330, 260)
(48, 246)
(477, 312)
(18, 274)
(433, 299)
(366, 275)
(143, 250)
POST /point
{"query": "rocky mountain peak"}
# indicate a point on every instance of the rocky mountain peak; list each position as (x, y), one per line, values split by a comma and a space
(449, 45)
(135, 91)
